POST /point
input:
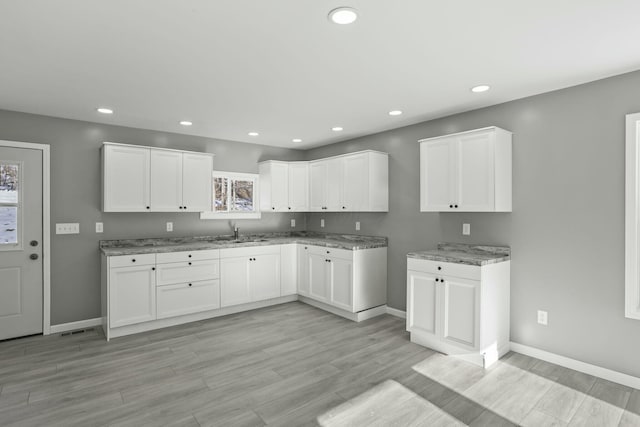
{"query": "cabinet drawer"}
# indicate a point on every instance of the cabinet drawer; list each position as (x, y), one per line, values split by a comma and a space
(185, 298)
(331, 252)
(188, 255)
(250, 251)
(131, 260)
(190, 271)
(444, 268)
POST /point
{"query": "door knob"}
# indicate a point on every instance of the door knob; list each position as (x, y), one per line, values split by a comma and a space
(33, 243)
(33, 256)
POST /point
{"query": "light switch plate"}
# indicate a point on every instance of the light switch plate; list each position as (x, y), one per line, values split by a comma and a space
(293, 222)
(466, 229)
(169, 226)
(68, 228)
(99, 227)
(357, 225)
(322, 223)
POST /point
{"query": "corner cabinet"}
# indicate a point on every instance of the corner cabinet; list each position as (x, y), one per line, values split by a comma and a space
(466, 172)
(144, 179)
(459, 309)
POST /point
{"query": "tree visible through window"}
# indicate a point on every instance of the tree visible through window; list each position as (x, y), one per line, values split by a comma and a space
(9, 203)
(234, 192)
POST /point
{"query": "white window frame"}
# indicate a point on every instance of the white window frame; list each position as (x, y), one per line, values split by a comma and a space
(632, 217)
(256, 214)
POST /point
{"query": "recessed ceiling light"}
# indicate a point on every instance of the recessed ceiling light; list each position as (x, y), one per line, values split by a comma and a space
(296, 140)
(480, 88)
(343, 15)
(253, 134)
(186, 123)
(395, 112)
(336, 129)
(104, 110)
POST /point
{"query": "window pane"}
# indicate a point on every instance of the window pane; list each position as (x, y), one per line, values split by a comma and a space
(8, 183)
(242, 196)
(8, 225)
(220, 186)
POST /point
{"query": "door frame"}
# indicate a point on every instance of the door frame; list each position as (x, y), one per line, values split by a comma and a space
(46, 226)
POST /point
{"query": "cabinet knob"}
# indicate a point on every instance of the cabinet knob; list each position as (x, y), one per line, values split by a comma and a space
(439, 268)
(189, 255)
(273, 208)
(450, 206)
(133, 260)
(189, 263)
(344, 207)
(328, 252)
(184, 207)
(179, 207)
(289, 207)
(148, 207)
(153, 269)
(455, 206)
(189, 284)
(437, 280)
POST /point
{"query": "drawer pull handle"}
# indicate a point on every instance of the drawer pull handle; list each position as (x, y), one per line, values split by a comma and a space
(189, 263)
(189, 284)
(133, 260)
(189, 255)
(439, 268)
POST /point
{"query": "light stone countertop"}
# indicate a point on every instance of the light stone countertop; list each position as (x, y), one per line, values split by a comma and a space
(176, 244)
(461, 253)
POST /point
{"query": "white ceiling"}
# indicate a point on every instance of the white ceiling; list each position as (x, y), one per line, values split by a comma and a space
(280, 68)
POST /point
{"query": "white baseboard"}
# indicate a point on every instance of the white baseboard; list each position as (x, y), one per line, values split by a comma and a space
(397, 313)
(73, 326)
(587, 368)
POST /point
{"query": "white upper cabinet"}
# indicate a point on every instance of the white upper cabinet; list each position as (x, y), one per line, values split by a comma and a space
(126, 178)
(197, 191)
(284, 186)
(357, 182)
(142, 179)
(466, 172)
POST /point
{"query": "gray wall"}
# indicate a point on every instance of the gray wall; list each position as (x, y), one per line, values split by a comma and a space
(566, 230)
(76, 197)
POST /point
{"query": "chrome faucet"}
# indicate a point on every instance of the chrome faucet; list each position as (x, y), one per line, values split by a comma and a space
(236, 232)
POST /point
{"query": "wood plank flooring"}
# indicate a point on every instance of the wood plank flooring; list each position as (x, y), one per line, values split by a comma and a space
(289, 365)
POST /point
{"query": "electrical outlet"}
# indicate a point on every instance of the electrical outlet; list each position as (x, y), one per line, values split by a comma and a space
(543, 317)
(322, 223)
(357, 225)
(68, 228)
(293, 222)
(169, 226)
(466, 229)
(99, 227)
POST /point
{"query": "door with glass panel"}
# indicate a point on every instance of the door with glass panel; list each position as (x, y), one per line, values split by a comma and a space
(20, 242)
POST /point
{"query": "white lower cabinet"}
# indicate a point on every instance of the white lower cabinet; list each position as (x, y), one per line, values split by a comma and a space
(132, 296)
(187, 298)
(249, 274)
(459, 309)
(349, 280)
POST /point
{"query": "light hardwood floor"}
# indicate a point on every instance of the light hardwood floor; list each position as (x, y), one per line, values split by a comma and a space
(289, 365)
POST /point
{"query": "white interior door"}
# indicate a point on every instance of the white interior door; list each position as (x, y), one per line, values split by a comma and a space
(20, 242)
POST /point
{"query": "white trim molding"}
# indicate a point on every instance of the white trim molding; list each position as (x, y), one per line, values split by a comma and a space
(397, 313)
(46, 227)
(576, 365)
(632, 217)
(74, 326)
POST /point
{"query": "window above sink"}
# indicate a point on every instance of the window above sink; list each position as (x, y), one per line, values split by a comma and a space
(234, 196)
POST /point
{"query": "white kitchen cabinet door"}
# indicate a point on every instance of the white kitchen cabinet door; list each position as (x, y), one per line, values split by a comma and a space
(166, 181)
(475, 172)
(422, 303)
(461, 312)
(132, 295)
(197, 191)
(341, 283)
(274, 186)
(264, 276)
(186, 298)
(234, 281)
(437, 175)
(298, 186)
(318, 186)
(126, 179)
(335, 184)
(303, 270)
(288, 269)
(317, 270)
(356, 183)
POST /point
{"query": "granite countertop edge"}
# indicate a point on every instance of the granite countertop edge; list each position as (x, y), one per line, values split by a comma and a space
(478, 255)
(154, 246)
